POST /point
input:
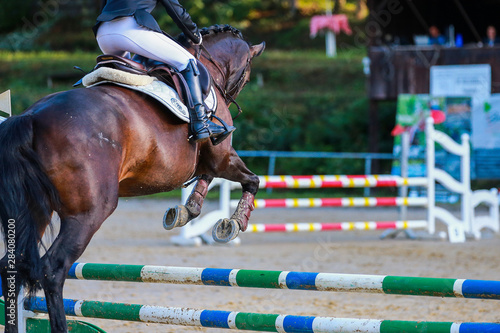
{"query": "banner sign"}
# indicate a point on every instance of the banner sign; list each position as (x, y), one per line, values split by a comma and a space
(412, 110)
(473, 81)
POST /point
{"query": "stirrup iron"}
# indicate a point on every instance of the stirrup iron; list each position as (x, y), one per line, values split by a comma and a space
(221, 137)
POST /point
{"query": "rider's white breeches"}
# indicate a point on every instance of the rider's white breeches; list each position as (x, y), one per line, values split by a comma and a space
(123, 35)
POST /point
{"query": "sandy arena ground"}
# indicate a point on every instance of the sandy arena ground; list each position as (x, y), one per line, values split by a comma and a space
(134, 235)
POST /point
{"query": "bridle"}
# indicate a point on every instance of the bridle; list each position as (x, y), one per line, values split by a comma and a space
(228, 95)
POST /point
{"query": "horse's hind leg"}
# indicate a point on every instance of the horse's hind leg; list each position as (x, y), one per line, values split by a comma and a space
(75, 234)
(180, 215)
(226, 230)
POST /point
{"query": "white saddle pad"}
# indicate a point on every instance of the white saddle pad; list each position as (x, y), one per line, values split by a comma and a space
(160, 91)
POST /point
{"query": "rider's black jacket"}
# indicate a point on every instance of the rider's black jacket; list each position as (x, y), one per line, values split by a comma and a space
(141, 9)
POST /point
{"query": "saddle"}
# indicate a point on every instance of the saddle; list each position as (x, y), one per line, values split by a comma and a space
(140, 65)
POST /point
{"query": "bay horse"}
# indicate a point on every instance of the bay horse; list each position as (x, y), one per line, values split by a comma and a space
(76, 152)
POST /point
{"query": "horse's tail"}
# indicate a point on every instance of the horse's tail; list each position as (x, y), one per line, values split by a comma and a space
(27, 200)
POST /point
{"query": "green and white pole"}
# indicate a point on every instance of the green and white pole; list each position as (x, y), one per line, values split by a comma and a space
(382, 284)
(253, 321)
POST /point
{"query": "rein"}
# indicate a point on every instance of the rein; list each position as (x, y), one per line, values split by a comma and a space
(227, 96)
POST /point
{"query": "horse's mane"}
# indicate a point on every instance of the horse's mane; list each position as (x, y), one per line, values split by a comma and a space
(217, 28)
(211, 31)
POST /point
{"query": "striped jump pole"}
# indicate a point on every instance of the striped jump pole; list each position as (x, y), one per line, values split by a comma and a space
(396, 285)
(339, 181)
(252, 321)
(337, 202)
(336, 226)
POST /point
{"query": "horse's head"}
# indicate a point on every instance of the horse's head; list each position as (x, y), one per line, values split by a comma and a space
(229, 57)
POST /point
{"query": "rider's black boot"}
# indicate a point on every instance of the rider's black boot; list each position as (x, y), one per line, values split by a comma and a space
(201, 127)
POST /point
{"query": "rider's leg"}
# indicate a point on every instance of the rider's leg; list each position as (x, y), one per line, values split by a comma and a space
(201, 127)
(124, 34)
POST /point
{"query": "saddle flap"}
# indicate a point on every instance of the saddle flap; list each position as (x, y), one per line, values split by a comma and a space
(205, 78)
(170, 77)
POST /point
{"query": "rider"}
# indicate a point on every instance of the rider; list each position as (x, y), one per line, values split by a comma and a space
(126, 26)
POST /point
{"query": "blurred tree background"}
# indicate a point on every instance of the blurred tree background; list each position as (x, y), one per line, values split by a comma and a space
(65, 24)
(298, 99)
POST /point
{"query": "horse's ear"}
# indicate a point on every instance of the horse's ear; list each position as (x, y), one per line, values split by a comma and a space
(256, 50)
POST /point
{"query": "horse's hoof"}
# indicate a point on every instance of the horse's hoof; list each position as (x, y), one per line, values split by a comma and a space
(175, 217)
(225, 230)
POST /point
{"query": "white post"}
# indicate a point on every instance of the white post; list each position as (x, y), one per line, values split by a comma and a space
(330, 39)
(186, 191)
(329, 7)
(490, 221)
(405, 153)
(465, 177)
(21, 315)
(494, 210)
(331, 44)
(431, 181)
(225, 198)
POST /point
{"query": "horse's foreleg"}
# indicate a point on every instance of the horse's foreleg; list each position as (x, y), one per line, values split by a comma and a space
(180, 215)
(226, 230)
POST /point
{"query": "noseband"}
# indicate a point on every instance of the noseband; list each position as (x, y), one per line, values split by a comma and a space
(225, 92)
